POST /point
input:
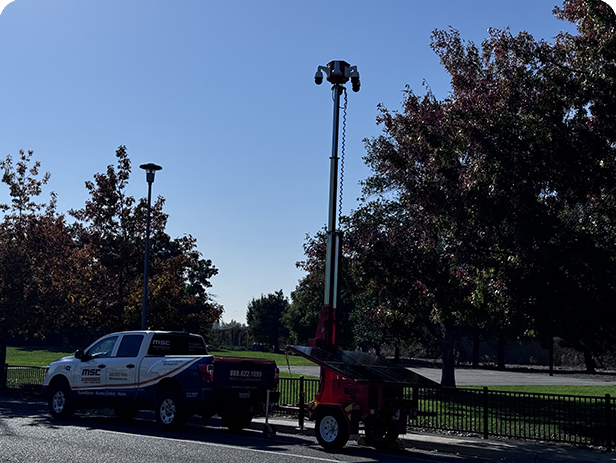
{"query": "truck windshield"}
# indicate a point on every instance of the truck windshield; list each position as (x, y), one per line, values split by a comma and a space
(177, 344)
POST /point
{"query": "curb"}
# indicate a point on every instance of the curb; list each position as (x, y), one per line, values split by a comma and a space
(508, 451)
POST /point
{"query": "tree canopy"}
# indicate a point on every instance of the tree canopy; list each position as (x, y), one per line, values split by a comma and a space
(87, 276)
(492, 208)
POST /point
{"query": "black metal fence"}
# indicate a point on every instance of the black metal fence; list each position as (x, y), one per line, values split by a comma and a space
(579, 420)
(27, 379)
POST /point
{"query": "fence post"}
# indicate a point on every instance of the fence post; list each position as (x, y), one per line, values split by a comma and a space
(485, 412)
(608, 422)
(302, 400)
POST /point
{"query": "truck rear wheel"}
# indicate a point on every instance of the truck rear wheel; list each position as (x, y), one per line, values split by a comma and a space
(60, 401)
(236, 419)
(169, 411)
(331, 429)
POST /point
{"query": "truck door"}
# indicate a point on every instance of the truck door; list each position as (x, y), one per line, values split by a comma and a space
(122, 368)
(90, 377)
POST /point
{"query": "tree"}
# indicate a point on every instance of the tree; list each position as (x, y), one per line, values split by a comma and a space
(263, 317)
(111, 232)
(36, 266)
(478, 196)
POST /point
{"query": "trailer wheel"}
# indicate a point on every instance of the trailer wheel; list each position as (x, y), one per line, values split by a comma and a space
(379, 435)
(60, 401)
(331, 429)
(169, 411)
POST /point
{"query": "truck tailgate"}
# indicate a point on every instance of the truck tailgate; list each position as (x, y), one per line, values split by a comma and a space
(240, 373)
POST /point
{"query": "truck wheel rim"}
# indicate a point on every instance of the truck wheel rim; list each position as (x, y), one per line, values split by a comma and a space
(58, 402)
(167, 411)
(329, 428)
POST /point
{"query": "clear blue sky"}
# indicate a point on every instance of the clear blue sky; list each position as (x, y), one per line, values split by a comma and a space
(221, 94)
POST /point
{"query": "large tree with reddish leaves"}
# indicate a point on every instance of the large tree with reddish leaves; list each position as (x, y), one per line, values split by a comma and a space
(494, 207)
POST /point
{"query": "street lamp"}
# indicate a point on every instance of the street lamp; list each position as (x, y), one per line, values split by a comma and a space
(337, 73)
(150, 171)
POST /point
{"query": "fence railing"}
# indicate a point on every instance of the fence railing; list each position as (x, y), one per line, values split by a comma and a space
(578, 420)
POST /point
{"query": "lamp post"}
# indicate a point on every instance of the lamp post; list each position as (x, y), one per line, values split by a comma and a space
(150, 171)
(337, 73)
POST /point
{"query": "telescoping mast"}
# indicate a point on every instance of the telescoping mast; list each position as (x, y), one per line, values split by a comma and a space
(357, 390)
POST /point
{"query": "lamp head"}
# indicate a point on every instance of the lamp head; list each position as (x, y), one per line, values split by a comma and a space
(150, 171)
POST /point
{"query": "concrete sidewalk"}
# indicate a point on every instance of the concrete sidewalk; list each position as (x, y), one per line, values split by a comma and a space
(508, 451)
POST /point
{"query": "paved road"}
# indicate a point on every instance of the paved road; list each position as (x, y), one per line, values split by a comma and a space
(484, 377)
(28, 435)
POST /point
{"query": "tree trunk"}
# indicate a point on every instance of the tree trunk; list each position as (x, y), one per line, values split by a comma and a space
(476, 345)
(3, 371)
(500, 352)
(448, 374)
(397, 353)
(591, 365)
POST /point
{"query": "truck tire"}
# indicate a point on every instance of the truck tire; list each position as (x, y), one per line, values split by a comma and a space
(169, 411)
(60, 401)
(379, 435)
(236, 419)
(331, 429)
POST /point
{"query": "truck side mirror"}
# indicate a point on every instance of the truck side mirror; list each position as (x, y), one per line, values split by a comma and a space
(80, 355)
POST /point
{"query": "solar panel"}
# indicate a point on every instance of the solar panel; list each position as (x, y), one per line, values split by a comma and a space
(363, 367)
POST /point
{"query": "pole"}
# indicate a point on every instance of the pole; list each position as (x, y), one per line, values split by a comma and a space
(144, 308)
(331, 263)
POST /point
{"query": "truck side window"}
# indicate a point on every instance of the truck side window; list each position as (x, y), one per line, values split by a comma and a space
(130, 345)
(103, 348)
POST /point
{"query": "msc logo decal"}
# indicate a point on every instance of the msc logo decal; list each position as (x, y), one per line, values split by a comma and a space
(91, 372)
(161, 342)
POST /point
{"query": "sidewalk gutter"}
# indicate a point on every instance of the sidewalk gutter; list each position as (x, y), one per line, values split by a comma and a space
(507, 451)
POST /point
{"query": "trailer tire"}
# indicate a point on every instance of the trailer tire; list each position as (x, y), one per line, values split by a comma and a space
(60, 401)
(331, 429)
(169, 411)
(379, 435)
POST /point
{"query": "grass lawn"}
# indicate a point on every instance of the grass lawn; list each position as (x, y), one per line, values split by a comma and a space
(593, 391)
(36, 356)
(42, 356)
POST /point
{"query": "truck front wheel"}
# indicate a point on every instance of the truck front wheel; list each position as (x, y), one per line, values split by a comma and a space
(169, 411)
(60, 401)
(331, 429)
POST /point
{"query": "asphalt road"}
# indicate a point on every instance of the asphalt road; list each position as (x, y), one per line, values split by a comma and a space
(487, 377)
(28, 435)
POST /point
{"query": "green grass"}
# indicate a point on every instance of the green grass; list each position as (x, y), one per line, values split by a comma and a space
(280, 359)
(593, 391)
(41, 356)
(35, 356)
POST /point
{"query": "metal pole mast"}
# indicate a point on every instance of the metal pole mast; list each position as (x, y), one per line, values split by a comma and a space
(338, 73)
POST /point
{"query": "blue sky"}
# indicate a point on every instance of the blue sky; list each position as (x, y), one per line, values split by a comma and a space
(221, 94)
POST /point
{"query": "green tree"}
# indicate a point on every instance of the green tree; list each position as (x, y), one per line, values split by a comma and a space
(111, 233)
(263, 317)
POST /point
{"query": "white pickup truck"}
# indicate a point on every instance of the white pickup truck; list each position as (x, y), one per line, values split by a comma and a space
(168, 372)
